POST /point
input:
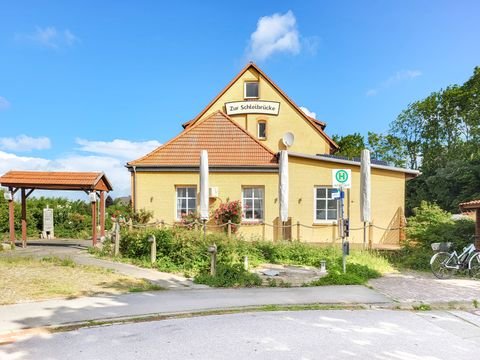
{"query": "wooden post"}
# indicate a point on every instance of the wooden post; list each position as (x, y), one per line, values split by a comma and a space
(229, 228)
(263, 231)
(102, 214)
(162, 224)
(153, 249)
(24, 218)
(117, 238)
(370, 235)
(94, 223)
(298, 230)
(11, 216)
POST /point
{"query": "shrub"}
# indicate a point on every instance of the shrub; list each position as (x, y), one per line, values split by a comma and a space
(356, 275)
(229, 211)
(229, 276)
(432, 224)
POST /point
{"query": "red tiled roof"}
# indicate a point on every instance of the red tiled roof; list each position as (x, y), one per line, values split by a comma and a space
(474, 204)
(226, 142)
(56, 180)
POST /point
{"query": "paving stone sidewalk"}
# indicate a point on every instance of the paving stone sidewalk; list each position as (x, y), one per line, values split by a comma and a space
(415, 287)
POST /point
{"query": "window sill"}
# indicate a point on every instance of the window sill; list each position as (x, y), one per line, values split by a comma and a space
(325, 223)
(251, 222)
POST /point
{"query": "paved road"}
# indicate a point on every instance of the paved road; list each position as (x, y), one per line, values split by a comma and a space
(333, 334)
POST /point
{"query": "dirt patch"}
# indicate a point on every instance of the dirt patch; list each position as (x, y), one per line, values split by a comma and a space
(28, 279)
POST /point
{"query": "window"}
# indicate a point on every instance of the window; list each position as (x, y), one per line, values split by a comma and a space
(251, 90)
(262, 129)
(325, 206)
(186, 200)
(252, 203)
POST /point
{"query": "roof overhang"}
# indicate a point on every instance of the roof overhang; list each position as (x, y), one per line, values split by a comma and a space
(470, 205)
(408, 172)
(195, 168)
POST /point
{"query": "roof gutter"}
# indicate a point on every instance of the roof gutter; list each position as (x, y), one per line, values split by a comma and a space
(414, 173)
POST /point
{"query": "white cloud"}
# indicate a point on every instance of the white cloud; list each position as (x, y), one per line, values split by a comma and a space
(4, 103)
(107, 156)
(308, 112)
(50, 37)
(124, 149)
(276, 33)
(398, 77)
(24, 143)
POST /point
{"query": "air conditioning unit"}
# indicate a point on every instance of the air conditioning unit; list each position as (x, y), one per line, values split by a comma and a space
(213, 192)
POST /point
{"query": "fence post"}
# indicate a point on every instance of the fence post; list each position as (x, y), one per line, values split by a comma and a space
(229, 228)
(162, 224)
(263, 230)
(117, 238)
(298, 230)
(370, 235)
(130, 225)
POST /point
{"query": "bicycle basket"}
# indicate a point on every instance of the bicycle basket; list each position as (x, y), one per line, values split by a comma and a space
(442, 246)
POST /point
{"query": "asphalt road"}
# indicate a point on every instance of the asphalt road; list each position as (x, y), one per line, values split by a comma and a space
(323, 334)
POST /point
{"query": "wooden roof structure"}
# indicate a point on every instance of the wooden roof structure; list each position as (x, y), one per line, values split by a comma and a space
(28, 181)
(474, 205)
(43, 180)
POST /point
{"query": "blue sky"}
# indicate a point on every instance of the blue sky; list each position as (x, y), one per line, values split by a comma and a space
(90, 85)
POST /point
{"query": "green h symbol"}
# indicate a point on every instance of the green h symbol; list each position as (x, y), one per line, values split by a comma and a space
(341, 176)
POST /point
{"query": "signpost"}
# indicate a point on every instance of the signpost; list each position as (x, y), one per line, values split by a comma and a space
(342, 179)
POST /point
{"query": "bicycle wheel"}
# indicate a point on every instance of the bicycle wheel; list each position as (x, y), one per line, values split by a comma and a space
(474, 266)
(438, 264)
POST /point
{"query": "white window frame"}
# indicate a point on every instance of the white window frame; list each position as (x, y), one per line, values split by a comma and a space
(245, 89)
(253, 198)
(320, 221)
(186, 198)
(258, 129)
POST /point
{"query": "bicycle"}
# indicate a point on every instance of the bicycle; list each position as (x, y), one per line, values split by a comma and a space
(445, 264)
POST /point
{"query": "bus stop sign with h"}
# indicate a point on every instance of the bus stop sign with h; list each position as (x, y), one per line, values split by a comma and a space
(342, 179)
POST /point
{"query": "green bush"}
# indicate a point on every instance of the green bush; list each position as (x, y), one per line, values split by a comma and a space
(431, 224)
(355, 275)
(229, 276)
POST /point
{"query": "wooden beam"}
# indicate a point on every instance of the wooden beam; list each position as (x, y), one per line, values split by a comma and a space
(29, 192)
(24, 218)
(94, 223)
(11, 217)
(102, 214)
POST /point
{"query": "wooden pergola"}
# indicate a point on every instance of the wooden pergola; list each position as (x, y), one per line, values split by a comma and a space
(94, 184)
(474, 206)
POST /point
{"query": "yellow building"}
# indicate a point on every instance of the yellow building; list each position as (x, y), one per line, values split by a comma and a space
(243, 129)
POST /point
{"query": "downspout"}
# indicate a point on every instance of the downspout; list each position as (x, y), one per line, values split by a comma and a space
(134, 188)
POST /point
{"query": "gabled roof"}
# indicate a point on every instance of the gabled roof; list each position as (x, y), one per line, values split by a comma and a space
(316, 124)
(228, 145)
(48, 180)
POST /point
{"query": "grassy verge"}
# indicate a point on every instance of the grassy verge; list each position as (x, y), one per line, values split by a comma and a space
(29, 279)
(185, 251)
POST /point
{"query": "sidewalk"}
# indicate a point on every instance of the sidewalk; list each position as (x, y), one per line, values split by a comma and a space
(57, 312)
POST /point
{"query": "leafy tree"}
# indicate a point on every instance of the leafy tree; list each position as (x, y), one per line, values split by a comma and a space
(350, 145)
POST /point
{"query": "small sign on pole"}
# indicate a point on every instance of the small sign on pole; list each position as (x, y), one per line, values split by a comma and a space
(342, 178)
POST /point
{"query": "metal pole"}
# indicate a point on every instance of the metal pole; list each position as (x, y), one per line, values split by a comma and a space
(342, 198)
(117, 238)
(11, 217)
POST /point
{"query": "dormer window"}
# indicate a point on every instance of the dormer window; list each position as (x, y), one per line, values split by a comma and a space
(251, 90)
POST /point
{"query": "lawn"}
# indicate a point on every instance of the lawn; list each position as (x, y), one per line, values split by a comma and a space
(29, 279)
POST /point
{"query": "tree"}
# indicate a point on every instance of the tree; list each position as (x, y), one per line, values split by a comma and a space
(350, 145)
